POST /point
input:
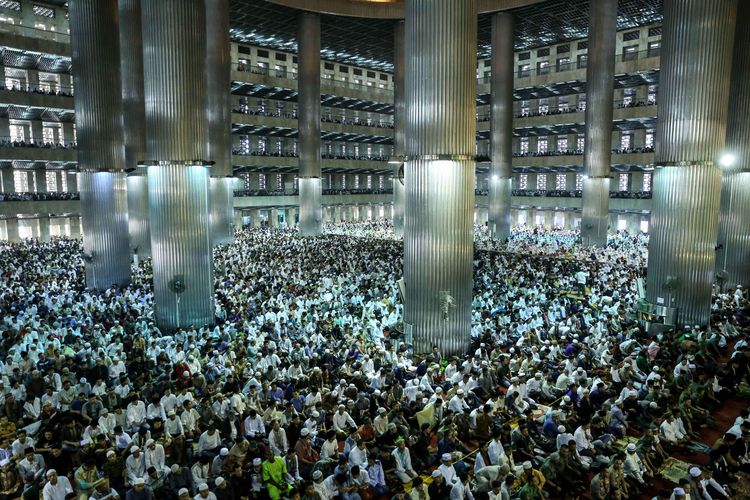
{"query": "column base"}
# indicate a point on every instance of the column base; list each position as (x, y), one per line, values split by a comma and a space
(104, 221)
(222, 210)
(498, 221)
(595, 213)
(138, 229)
(682, 254)
(733, 258)
(310, 207)
(438, 254)
(182, 258)
(399, 194)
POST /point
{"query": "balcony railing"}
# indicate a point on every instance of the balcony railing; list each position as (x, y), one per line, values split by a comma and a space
(581, 63)
(341, 119)
(292, 154)
(17, 29)
(578, 152)
(295, 192)
(563, 193)
(291, 74)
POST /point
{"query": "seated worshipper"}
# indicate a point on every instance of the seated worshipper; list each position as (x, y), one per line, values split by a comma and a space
(404, 470)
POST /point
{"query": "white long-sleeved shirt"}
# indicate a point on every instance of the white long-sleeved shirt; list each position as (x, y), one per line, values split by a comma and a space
(342, 420)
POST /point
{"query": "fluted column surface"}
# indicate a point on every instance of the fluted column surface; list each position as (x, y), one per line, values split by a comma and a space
(219, 118)
(138, 214)
(94, 25)
(181, 245)
(501, 169)
(98, 103)
(104, 217)
(134, 122)
(308, 100)
(693, 98)
(399, 126)
(597, 157)
(734, 221)
(174, 63)
(222, 210)
(441, 42)
(174, 55)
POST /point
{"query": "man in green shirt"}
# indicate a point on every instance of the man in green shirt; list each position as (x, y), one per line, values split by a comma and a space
(274, 471)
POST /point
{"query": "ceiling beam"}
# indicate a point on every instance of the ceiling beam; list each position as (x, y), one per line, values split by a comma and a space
(386, 9)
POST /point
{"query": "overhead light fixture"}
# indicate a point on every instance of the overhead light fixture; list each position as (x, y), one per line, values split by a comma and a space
(727, 160)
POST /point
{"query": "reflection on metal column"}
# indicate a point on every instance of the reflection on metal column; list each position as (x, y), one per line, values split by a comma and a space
(441, 38)
(98, 105)
(501, 169)
(134, 121)
(140, 237)
(178, 182)
(103, 207)
(733, 259)
(693, 98)
(219, 118)
(308, 71)
(597, 158)
(221, 215)
(399, 126)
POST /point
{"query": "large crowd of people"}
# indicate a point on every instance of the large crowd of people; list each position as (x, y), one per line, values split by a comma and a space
(305, 389)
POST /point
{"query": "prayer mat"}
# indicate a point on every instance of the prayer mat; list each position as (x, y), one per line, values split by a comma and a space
(673, 470)
(741, 487)
(623, 443)
(698, 447)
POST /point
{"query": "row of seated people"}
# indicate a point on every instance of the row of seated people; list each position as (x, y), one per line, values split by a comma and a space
(574, 152)
(295, 192)
(7, 143)
(39, 196)
(564, 193)
(41, 91)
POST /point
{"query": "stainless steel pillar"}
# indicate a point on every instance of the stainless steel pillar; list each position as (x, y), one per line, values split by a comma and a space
(174, 59)
(72, 181)
(138, 223)
(399, 128)
(8, 183)
(696, 58)
(134, 121)
(98, 105)
(441, 43)
(219, 118)
(597, 156)
(40, 180)
(501, 169)
(44, 223)
(74, 223)
(308, 68)
(11, 229)
(222, 210)
(733, 259)
(103, 207)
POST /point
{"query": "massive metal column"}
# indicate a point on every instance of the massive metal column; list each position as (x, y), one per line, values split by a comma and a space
(174, 59)
(308, 68)
(441, 49)
(597, 156)
(98, 106)
(693, 98)
(399, 126)
(134, 119)
(219, 117)
(502, 125)
(733, 259)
